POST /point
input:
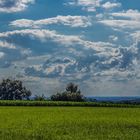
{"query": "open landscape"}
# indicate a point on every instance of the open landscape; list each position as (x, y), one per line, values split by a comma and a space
(66, 115)
(69, 123)
(69, 69)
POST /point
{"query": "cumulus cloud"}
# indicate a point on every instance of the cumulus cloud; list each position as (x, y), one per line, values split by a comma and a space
(67, 40)
(118, 64)
(1, 55)
(48, 40)
(11, 52)
(109, 5)
(10, 6)
(96, 58)
(136, 37)
(92, 5)
(11, 55)
(72, 21)
(129, 14)
(121, 24)
(128, 20)
(5, 44)
(88, 5)
(113, 38)
(53, 67)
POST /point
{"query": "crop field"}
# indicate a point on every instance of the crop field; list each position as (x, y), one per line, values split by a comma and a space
(69, 123)
(66, 103)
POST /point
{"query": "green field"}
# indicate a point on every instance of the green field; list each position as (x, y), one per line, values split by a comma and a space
(69, 123)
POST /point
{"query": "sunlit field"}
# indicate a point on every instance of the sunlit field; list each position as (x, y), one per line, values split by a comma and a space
(69, 123)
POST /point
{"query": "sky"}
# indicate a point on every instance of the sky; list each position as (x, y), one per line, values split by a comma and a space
(93, 43)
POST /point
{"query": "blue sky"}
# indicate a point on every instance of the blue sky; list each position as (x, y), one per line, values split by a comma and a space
(94, 43)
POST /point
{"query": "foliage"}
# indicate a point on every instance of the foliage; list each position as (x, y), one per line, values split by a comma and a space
(40, 97)
(71, 94)
(13, 90)
(72, 88)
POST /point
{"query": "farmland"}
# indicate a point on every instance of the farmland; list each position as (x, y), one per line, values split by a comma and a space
(69, 123)
(65, 103)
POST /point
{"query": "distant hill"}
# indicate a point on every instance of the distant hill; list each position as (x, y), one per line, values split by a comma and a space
(132, 99)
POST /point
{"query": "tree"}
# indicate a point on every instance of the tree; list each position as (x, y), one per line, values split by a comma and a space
(39, 97)
(13, 90)
(72, 88)
(70, 94)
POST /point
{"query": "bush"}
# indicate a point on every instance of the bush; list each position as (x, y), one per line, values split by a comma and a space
(13, 90)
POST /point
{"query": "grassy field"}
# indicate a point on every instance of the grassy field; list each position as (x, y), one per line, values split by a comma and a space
(69, 123)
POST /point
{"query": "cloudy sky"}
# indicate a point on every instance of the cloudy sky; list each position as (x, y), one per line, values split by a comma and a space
(94, 43)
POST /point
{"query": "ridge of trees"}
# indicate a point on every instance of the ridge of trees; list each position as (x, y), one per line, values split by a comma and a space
(14, 90)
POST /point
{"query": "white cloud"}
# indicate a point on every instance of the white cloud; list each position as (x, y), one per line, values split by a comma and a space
(109, 5)
(92, 5)
(72, 21)
(1, 55)
(129, 14)
(136, 37)
(88, 5)
(80, 46)
(95, 57)
(10, 6)
(114, 64)
(121, 24)
(127, 20)
(114, 74)
(53, 67)
(4, 44)
(66, 40)
(113, 38)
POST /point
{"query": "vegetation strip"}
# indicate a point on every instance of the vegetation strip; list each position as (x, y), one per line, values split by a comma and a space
(61, 103)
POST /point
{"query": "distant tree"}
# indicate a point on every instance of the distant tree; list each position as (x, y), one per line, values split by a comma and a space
(72, 93)
(40, 97)
(72, 88)
(13, 90)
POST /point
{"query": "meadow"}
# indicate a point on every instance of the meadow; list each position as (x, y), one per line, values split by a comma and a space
(69, 123)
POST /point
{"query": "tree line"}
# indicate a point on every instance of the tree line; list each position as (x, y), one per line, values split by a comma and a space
(14, 90)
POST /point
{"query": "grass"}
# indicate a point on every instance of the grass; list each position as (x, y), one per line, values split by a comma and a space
(69, 123)
(61, 103)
